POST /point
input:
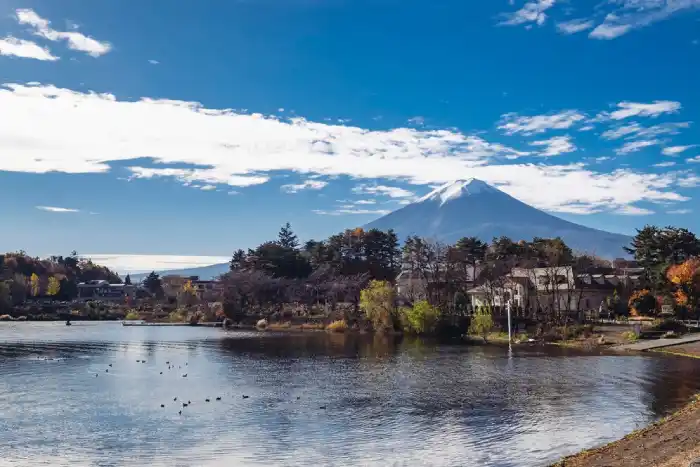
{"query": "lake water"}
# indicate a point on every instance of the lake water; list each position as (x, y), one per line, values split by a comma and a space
(387, 401)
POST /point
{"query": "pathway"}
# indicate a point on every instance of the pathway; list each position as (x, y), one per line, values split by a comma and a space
(658, 343)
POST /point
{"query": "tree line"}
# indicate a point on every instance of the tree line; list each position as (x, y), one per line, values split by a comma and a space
(23, 276)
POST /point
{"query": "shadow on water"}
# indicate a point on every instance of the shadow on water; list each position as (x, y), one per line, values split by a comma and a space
(314, 398)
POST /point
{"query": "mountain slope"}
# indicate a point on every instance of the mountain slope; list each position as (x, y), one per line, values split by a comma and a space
(472, 207)
(204, 272)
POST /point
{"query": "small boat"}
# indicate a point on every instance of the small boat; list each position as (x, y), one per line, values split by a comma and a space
(68, 323)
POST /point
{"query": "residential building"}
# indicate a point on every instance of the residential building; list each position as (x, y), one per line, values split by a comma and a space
(103, 290)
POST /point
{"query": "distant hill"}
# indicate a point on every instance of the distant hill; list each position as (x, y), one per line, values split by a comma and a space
(472, 207)
(204, 272)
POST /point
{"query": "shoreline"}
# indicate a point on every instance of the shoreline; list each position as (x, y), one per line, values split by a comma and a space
(674, 440)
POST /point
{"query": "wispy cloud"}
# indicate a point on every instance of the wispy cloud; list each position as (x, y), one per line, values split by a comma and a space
(635, 130)
(390, 191)
(640, 109)
(693, 160)
(680, 211)
(634, 146)
(305, 185)
(193, 144)
(56, 209)
(665, 164)
(634, 14)
(531, 12)
(575, 25)
(154, 62)
(555, 146)
(418, 120)
(76, 41)
(513, 123)
(675, 150)
(25, 49)
(634, 211)
(350, 211)
(690, 180)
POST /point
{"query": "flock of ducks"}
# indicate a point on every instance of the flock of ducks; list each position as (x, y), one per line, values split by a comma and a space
(184, 375)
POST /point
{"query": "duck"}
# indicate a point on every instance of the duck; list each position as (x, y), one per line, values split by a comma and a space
(245, 397)
(323, 407)
(174, 399)
(184, 405)
(207, 400)
(184, 375)
(161, 372)
(162, 406)
(110, 364)
(180, 412)
(218, 398)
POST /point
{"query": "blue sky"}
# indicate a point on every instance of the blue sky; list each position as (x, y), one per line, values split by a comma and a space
(191, 129)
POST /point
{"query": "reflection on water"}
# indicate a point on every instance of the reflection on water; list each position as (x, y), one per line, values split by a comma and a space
(388, 401)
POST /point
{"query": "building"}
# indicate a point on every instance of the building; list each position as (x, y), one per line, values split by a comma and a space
(206, 290)
(103, 290)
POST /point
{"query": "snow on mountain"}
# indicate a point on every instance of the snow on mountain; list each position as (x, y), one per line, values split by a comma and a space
(472, 207)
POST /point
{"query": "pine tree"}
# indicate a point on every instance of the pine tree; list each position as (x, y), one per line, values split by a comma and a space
(237, 260)
(286, 238)
(127, 280)
(152, 283)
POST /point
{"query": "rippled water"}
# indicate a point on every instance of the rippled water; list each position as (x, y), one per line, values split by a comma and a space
(388, 402)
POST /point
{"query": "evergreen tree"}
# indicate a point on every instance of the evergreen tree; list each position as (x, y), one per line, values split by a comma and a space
(127, 280)
(153, 284)
(286, 238)
(237, 260)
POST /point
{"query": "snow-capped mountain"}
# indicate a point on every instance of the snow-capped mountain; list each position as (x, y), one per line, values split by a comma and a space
(472, 207)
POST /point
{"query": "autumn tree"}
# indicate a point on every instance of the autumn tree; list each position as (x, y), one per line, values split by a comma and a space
(54, 286)
(34, 285)
(685, 279)
(642, 303)
(377, 301)
(188, 294)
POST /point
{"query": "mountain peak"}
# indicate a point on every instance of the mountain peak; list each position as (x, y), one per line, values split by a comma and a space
(458, 189)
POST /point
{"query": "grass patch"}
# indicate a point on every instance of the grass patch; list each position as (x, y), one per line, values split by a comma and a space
(132, 316)
(279, 326)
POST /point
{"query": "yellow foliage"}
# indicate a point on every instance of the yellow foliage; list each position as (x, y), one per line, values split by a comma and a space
(34, 285)
(686, 278)
(54, 286)
(337, 326)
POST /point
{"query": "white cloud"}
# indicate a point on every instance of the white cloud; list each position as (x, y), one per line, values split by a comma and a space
(680, 211)
(56, 209)
(555, 146)
(665, 164)
(513, 123)
(365, 201)
(635, 14)
(305, 185)
(417, 120)
(49, 129)
(630, 210)
(693, 160)
(154, 62)
(188, 176)
(390, 191)
(208, 187)
(348, 211)
(128, 263)
(635, 130)
(689, 181)
(75, 40)
(639, 109)
(531, 12)
(575, 25)
(675, 150)
(11, 46)
(634, 146)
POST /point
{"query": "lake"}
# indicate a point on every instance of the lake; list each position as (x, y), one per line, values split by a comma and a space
(387, 401)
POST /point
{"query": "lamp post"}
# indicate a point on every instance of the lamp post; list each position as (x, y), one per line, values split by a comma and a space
(508, 306)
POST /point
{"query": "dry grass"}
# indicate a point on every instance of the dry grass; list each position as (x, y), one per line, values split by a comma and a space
(312, 326)
(279, 326)
(337, 326)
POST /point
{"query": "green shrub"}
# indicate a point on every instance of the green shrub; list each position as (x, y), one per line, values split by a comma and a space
(482, 322)
(423, 318)
(177, 316)
(132, 316)
(630, 336)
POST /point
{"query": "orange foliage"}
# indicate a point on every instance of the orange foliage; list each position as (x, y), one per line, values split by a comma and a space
(641, 301)
(686, 278)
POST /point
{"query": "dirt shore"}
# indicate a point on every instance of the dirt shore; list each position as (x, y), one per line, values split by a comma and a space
(671, 442)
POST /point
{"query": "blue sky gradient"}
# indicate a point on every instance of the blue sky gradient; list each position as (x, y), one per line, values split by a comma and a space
(338, 111)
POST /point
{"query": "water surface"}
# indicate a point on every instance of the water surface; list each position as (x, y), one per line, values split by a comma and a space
(387, 401)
